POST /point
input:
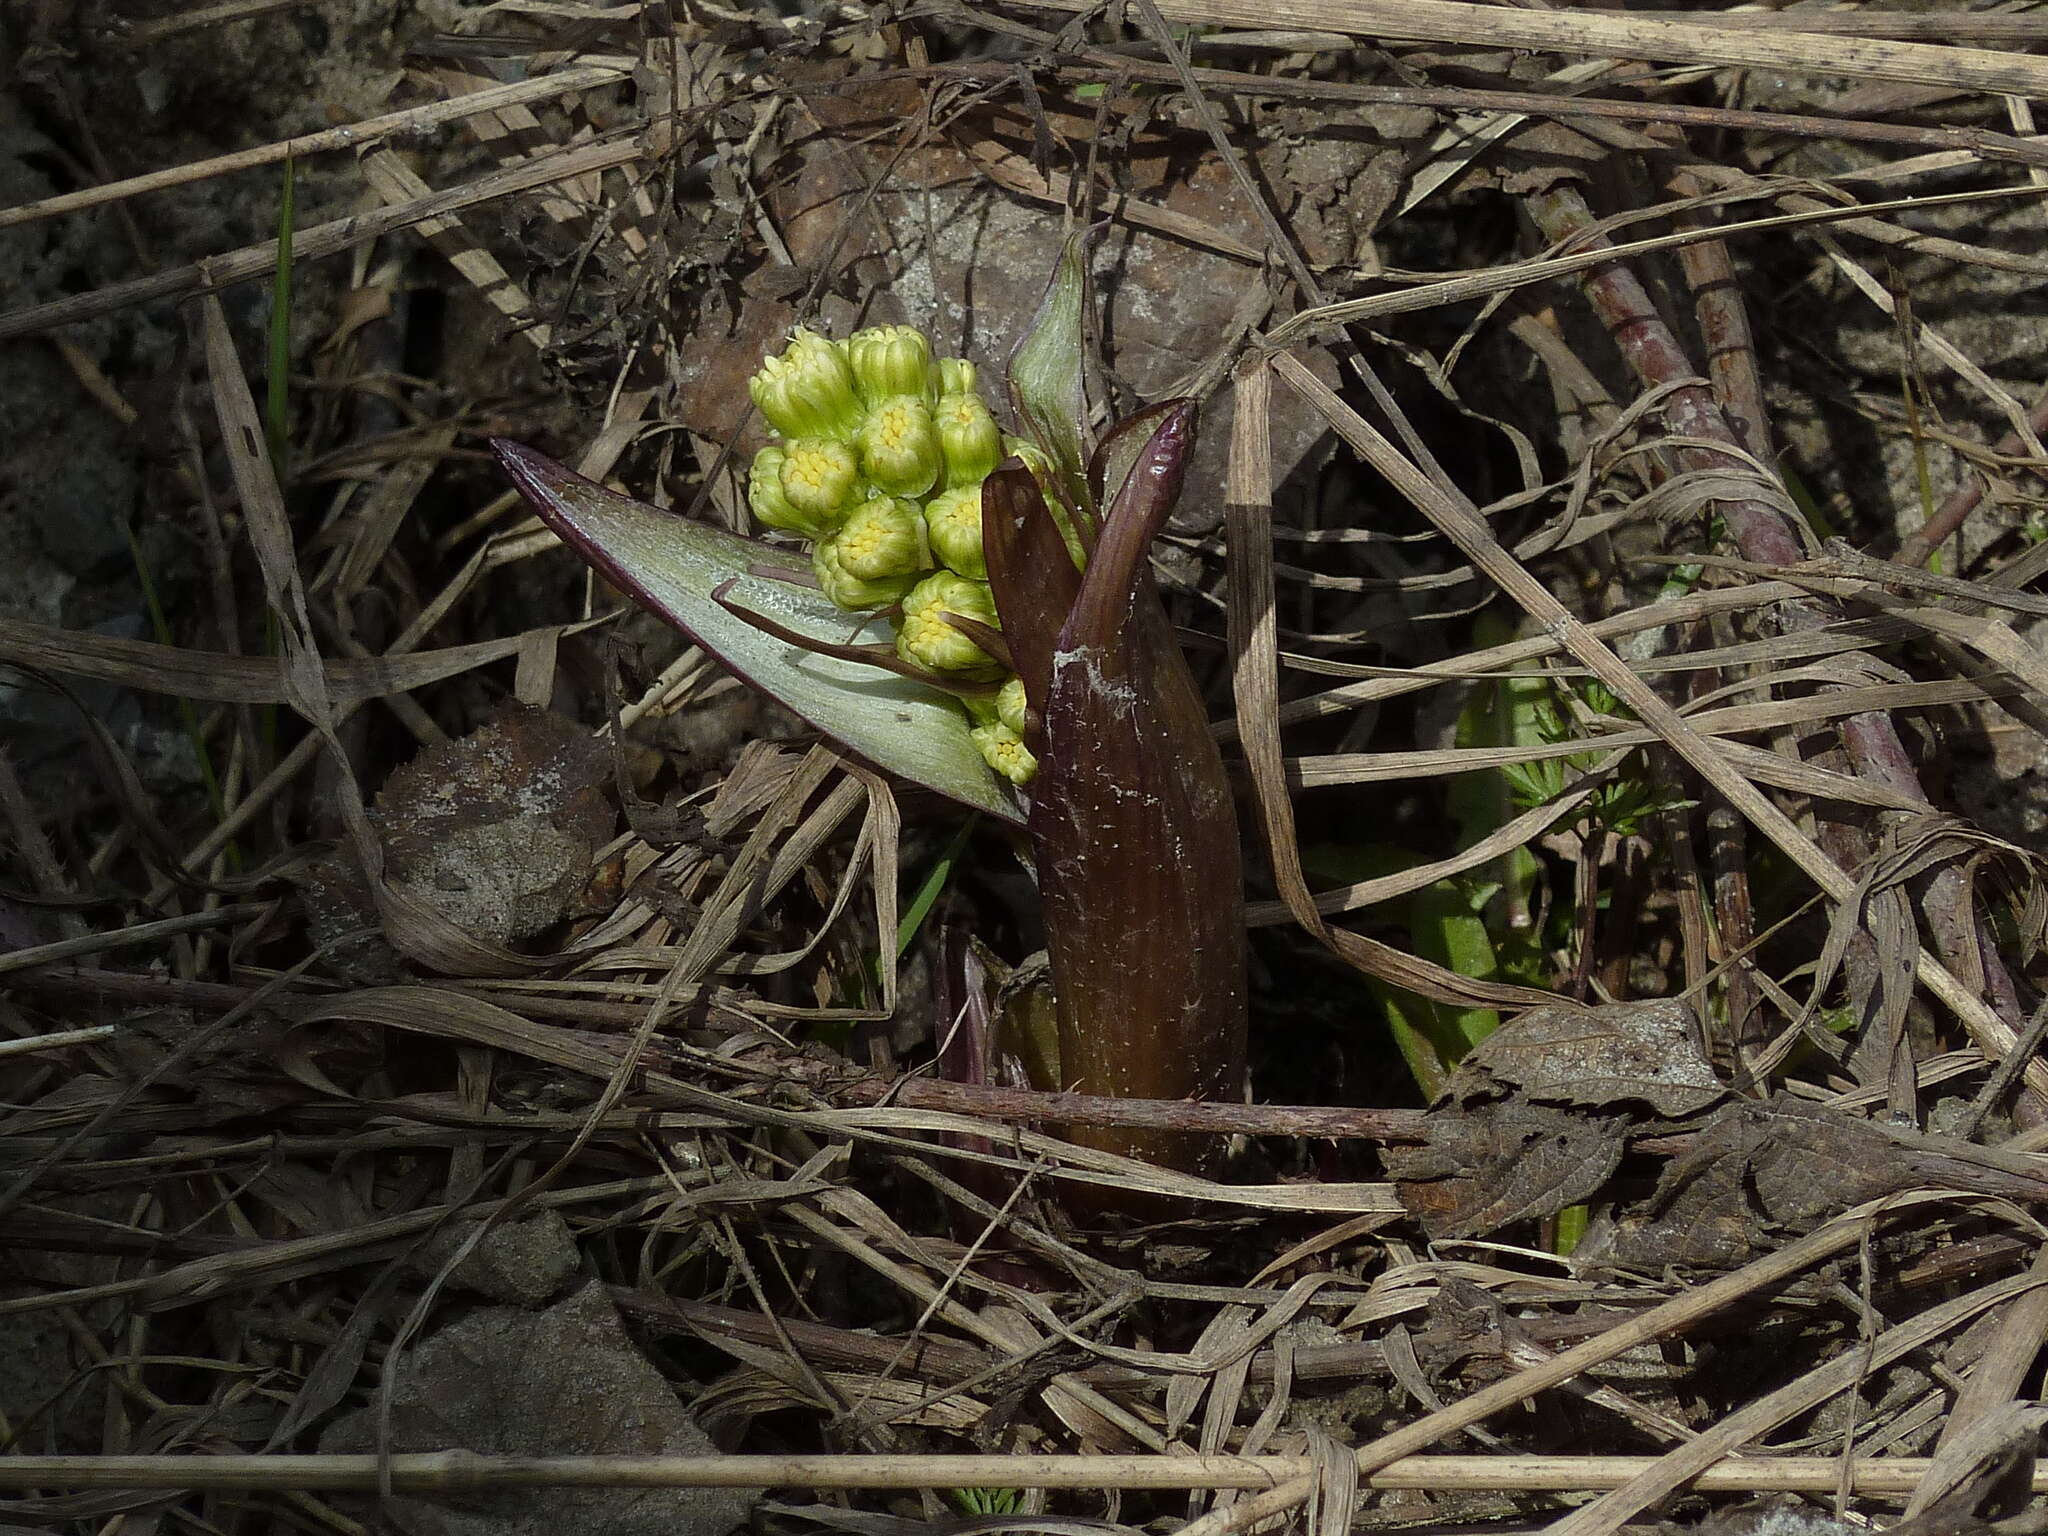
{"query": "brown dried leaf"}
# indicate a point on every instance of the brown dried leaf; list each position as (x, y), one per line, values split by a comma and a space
(1757, 1171)
(1500, 1149)
(564, 1381)
(1487, 1165)
(1644, 1052)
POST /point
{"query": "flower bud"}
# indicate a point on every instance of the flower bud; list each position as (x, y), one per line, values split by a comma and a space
(952, 521)
(880, 539)
(1011, 705)
(924, 637)
(899, 447)
(1003, 750)
(764, 495)
(889, 360)
(972, 441)
(807, 391)
(850, 591)
(955, 376)
(818, 478)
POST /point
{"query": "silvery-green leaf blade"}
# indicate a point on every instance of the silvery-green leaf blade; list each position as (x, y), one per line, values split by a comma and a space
(673, 567)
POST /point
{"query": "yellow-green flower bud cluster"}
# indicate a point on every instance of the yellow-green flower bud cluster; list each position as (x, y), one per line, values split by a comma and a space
(878, 459)
(999, 733)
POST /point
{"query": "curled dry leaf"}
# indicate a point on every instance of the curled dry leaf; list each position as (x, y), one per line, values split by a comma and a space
(1759, 1172)
(1513, 1138)
(1643, 1052)
(498, 830)
(1496, 1163)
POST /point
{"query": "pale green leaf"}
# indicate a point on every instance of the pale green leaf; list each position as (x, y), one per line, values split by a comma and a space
(672, 566)
(1046, 368)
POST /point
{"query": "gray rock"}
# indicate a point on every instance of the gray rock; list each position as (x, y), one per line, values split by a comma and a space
(525, 1263)
(565, 1381)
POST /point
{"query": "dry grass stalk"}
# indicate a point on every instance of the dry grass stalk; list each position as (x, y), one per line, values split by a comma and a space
(355, 136)
(452, 1472)
(1629, 37)
(252, 262)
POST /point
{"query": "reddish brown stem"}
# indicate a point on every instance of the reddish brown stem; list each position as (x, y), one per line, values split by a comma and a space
(1923, 541)
(1724, 327)
(1767, 537)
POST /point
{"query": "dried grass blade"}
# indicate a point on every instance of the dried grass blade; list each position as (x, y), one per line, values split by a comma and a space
(1757, 1418)
(255, 261)
(121, 938)
(448, 1015)
(762, 868)
(1080, 1407)
(1254, 635)
(566, 82)
(224, 679)
(376, 523)
(1625, 37)
(1374, 767)
(399, 184)
(1456, 518)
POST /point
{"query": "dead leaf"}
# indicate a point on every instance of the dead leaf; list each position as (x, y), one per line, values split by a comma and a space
(1537, 1115)
(1486, 1165)
(1759, 1172)
(1644, 1052)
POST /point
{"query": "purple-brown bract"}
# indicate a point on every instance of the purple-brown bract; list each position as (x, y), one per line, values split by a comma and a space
(1131, 814)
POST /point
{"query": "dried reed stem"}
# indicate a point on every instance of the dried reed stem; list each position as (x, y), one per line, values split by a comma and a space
(371, 130)
(445, 1472)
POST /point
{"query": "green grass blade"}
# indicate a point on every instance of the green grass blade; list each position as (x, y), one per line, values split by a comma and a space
(934, 882)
